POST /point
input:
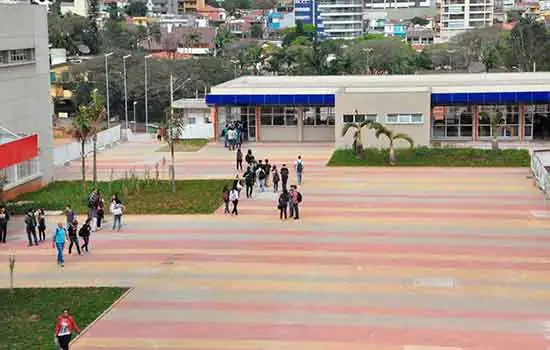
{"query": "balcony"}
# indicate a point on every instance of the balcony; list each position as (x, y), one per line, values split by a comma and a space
(343, 22)
(342, 14)
(340, 6)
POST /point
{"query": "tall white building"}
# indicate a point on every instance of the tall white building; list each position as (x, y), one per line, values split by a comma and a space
(341, 19)
(457, 16)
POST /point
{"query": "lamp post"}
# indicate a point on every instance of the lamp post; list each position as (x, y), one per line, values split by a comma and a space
(146, 102)
(368, 51)
(107, 86)
(135, 123)
(125, 89)
(235, 62)
(450, 52)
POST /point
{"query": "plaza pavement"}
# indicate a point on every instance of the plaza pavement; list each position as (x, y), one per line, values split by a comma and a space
(383, 259)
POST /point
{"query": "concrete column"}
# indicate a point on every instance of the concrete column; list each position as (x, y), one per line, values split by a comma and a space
(300, 117)
(475, 124)
(522, 122)
(258, 126)
(214, 117)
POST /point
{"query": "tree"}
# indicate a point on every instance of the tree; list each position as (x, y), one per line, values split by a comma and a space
(81, 130)
(256, 31)
(529, 44)
(489, 56)
(96, 114)
(223, 37)
(136, 9)
(392, 137)
(357, 136)
(419, 21)
(174, 122)
(93, 16)
(497, 123)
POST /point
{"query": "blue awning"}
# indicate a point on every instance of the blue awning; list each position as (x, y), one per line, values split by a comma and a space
(490, 98)
(287, 100)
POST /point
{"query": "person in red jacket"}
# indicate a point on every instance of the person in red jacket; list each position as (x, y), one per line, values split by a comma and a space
(64, 329)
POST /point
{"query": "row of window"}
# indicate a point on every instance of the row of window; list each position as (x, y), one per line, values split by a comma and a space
(16, 56)
(281, 116)
(391, 118)
(20, 173)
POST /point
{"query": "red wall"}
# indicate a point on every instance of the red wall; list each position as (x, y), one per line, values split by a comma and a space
(18, 151)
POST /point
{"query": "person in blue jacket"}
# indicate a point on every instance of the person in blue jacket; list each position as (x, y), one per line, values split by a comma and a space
(59, 238)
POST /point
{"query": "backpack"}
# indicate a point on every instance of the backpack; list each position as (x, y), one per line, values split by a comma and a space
(261, 174)
(299, 197)
(275, 177)
(226, 196)
(284, 172)
(299, 167)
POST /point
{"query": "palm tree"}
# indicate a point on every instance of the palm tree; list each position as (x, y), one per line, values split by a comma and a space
(496, 120)
(357, 136)
(81, 130)
(392, 137)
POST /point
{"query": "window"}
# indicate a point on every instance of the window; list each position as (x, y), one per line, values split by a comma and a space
(359, 118)
(191, 120)
(452, 121)
(16, 56)
(404, 118)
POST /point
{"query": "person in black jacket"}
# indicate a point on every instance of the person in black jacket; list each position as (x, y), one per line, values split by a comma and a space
(30, 226)
(284, 176)
(84, 232)
(4, 218)
(249, 179)
(73, 229)
(283, 204)
(239, 160)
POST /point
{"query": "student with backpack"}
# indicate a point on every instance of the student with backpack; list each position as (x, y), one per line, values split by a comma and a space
(73, 237)
(249, 158)
(234, 198)
(117, 208)
(69, 216)
(84, 233)
(284, 176)
(225, 196)
(58, 241)
(249, 179)
(283, 204)
(299, 170)
(30, 227)
(267, 169)
(275, 177)
(239, 160)
(295, 200)
(225, 136)
(260, 173)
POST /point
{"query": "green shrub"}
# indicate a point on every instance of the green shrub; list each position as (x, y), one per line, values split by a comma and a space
(442, 157)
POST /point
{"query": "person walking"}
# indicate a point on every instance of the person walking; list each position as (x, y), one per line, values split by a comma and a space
(283, 204)
(69, 216)
(59, 238)
(64, 328)
(275, 177)
(299, 170)
(92, 207)
(295, 200)
(84, 233)
(234, 197)
(231, 134)
(249, 179)
(225, 196)
(30, 227)
(100, 210)
(239, 160)
(284, 176)
(249, 158)
(225, 136)
(260, 173)
(4, 218)
(267, 169)
(117, 208)
(41, 216)
(73, 237)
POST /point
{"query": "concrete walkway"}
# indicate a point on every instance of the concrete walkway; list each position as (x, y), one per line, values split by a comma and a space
(382, 259)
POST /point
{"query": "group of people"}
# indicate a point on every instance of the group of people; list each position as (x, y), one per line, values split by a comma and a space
(260, 174)
(233, 135)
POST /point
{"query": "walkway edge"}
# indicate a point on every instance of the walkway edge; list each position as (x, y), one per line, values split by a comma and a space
(85, 330)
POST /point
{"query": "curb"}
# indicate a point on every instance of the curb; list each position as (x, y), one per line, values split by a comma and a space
(85, 330)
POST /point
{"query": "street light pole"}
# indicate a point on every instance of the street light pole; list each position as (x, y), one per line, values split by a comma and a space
(135, 124)
(125, 89)
(368, 51)
(146, 103)
(107, 87)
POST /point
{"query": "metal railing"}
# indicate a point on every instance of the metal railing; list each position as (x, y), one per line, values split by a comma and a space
(539, 171)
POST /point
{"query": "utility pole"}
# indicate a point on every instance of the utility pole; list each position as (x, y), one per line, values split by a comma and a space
(107, 87)
(170, 139)
(146, 102)
(125, 89)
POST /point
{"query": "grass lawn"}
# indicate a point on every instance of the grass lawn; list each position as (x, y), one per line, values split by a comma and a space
(29, 315)
(187, 145)
(437, 157)
(138, 196)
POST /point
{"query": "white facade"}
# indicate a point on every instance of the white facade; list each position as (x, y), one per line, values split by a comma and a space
(388, 4)
(196, 114)
(341, 19)
(25, 77)
(77, 7)
(457, 16)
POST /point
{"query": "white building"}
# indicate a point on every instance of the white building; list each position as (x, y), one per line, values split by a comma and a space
(26, 117)
(457, 16)
(77, 7)
(341, 19)
(197, 117)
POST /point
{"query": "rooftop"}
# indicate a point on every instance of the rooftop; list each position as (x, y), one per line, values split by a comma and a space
(277, 85)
